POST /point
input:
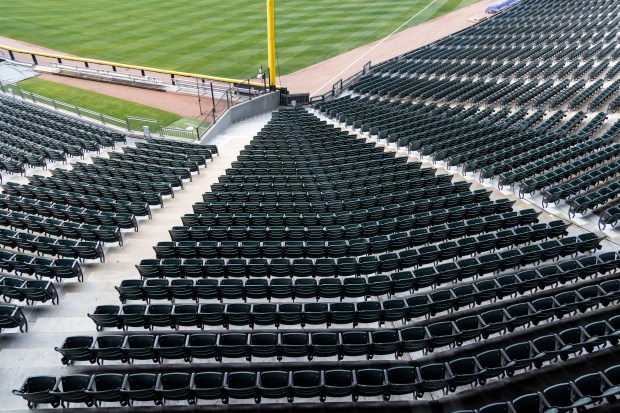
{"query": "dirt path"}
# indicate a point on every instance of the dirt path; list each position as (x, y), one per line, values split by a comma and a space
(18, 44)
(314, 79)
(320, 77)
(181, 104)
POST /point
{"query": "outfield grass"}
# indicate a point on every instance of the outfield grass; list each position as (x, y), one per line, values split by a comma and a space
(96, 102)
(184, 123)
(225, 38)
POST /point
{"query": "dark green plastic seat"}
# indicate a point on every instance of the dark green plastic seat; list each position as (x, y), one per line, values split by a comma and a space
(338, 383)
(565, 397)
(174, 386)
(274, 384)
(324, 344)
(493, 363)
(233, 345)
(201, 346)
(36, 390)
(265, 345)
(70, 389)
(402, 380)
(528, 403)
(593, 386)
(76, 348)
(342, 313)
(130, 290)
(368, 312)
(290, 314)
(295, 344)
(355, 343)
(213, 315)
(370, 382)
(433, 377)
(106, 316)
(109, 347)
(612, 374)
(316, 313)
(105, 387)
(463, 371)
(140, 387)
(242, 385)
(208, 386)
(140, 347)
(171, 346)
(307, 383)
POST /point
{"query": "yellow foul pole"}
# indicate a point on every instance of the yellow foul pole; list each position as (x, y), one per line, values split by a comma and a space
(271, 42)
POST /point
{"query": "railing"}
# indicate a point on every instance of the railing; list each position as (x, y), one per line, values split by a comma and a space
(201, 88)
(192, 134)
(137, 124)
(42, 58)
(341, 85)
(129, 124)
(204, 125)
(230, 96)
(251, 88)
(102, 74)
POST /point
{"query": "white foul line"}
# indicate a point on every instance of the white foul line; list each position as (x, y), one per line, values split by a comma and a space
(375, 46)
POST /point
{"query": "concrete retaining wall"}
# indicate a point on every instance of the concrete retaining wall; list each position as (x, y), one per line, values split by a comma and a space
(256, 106)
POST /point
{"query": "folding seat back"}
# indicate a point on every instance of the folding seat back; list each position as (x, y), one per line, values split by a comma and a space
(37, 390)
(463, 371)
(208, 385)
(174, 386)
(593, 386)
(339, 383)
(434, 376)
(76, 348)
(370, 382)
(565, 397)
(140, 387)
(402, 380)
(274, 384)
(106, 387)
(324, 345)
(307, 383)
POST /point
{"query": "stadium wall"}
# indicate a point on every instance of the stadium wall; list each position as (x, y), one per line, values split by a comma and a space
(256, 106)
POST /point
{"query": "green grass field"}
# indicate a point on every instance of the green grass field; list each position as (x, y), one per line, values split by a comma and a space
(220, 38)
(96, 102)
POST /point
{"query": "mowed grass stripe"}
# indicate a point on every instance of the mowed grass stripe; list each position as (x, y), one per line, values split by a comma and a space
(222, 38)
